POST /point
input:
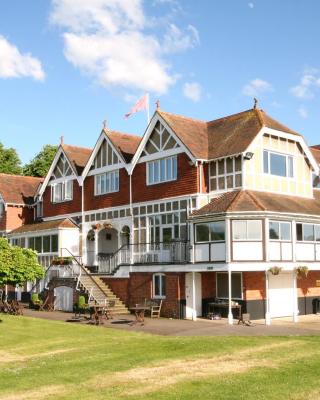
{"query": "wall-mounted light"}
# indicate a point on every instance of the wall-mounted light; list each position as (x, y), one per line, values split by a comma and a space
(248, 156)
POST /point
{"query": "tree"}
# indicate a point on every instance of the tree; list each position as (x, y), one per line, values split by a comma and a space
(40, 164)
(9, 161)
(18, 265)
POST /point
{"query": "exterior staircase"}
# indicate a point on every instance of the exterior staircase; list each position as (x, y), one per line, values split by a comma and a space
(99, 292)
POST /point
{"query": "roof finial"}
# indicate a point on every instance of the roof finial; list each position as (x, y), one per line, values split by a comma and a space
(255, 103)
(158, 104)
(105, 124)
(62, 140)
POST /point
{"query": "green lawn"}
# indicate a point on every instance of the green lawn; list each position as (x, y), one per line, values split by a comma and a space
(42, 359)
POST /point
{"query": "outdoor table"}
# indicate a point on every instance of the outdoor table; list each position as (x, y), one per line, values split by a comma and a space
(139, 313)
(214, 306)
(98, 314)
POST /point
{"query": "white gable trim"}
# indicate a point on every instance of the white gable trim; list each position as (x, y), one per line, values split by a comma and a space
(96, 148)
(289, 136)
(157, 117)
(52, 167)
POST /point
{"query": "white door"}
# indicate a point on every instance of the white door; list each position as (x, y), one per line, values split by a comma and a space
(193, 295)
(63, 298)
(281, 295)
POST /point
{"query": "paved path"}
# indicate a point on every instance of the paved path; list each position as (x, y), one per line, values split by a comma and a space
(307, 325)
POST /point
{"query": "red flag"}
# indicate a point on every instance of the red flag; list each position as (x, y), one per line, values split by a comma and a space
(141, 104)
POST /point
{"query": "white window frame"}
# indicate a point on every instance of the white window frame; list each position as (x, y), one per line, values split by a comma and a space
(209, 227)
(247, 221)
(156, 164)
(226, 174)
(64, 196)
(314, 233)
(112, 177)
(161, 295)
(281, 222)
(287, 156)
(241, 281)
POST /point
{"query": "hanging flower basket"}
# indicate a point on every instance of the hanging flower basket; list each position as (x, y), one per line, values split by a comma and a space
(302, 271)
(107, 225)
(275, 270)
(62, 261)
(91, 236)
(96, 226)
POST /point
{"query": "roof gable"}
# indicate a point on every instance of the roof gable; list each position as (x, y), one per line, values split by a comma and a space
(47, 225)
(78, 156)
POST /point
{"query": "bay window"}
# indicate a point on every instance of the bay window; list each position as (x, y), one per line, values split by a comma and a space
(277, 164)
(280, 230)
(308, 232)
(210, 231)
(162, 170)
(107, 182)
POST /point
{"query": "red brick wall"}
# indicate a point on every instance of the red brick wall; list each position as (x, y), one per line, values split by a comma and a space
(120, 287)
(66, 207)
(205, 178)
(16, 216)
(307, 285)
(92, 202)
(208, 284)
(254, 285)
(186, 183)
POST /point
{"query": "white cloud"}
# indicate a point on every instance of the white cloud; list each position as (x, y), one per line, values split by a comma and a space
(257, 86)
(251, 5)
(303, 112)
(309, 82)
(192, 90)
(14, 64)
(110, 41)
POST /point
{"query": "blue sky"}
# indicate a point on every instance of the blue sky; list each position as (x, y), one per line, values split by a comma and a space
(66, 65)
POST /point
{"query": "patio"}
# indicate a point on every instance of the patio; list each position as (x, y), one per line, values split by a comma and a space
(307, 325)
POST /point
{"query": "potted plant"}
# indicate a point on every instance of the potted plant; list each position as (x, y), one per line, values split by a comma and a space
(275, 270)
(107, 225)
(62, 261)
(96, 226)
(302, 271)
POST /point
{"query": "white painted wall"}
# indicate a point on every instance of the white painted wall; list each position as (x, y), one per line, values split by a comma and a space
(247, 251)
(69, 239)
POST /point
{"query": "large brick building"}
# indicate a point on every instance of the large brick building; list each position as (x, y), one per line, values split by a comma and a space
(189, 213)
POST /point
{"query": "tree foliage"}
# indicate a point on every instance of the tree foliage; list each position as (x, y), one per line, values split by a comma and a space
(10, 162)
(40, 164)
(18, 265)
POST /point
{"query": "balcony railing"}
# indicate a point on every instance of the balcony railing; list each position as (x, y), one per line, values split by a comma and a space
(145, 253)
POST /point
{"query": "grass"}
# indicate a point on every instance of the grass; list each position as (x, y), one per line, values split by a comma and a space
(42, 359)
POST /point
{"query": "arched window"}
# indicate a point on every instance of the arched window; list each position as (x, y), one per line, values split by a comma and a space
(159, 286)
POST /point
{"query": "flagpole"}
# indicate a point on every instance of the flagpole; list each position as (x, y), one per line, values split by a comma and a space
(148, 111)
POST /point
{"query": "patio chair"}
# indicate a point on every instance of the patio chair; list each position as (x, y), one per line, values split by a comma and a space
(46, 305)
(109, 310)
(245, 319)
(16, 307)
(81, 307)
(35, 301)
(155, 307)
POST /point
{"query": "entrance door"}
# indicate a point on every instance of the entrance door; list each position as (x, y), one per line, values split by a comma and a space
(63, 298)
(281, 295)
(192, 313)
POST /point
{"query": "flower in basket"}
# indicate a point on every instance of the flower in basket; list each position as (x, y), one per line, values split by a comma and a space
(108, 225)
(302, 271)
(275, 270)
(96, 226)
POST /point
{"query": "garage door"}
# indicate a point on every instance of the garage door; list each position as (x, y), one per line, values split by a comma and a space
(281, 294)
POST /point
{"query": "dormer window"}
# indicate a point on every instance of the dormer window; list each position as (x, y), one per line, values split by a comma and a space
(277, 164)
(162, 170)
(62, 191)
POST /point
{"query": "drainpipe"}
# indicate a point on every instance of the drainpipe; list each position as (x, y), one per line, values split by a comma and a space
(194, 311)
(295, 298)
(230, 316)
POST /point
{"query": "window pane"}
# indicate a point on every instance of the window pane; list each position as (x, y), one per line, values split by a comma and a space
(236, 286)
(38, 244)
(221, 183)
(317, 232)
(156, 171)
(299, 232)
(239, 229)
(169, 168)
(163, 170)
(308, 232)
(213, 171)
(202, 232)
(254, 230)
(150, 172)
(230, 181)
(223, 286)
(278, 165)
(285, 228)
(274, 230)
(116, 181)
(54, 243)
(265, 162)
(290, 167)
(217, 230)
(157, 285)
(221, 167)
(174, 167)
(237, 163)
(46, 244)
(229, 165)
(315, 181)
(238, 180)
(163, 285)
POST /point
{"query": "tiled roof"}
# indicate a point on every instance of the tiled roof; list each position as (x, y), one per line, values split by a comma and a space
(18, 189)
(126, 143)
(78, 156)
(47, 225)
(315, 150)
(221, 137)
(246, 200)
